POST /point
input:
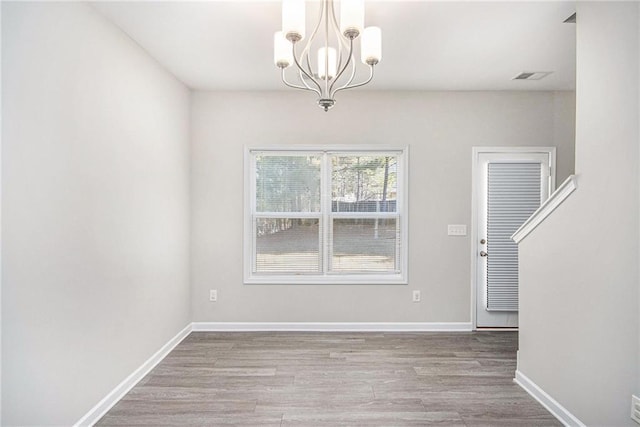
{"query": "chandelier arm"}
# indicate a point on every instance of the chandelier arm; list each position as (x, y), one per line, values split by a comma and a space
(302, 70)
(349, 80)
(349, 58)
(331, 19)
(309, 70)
(304, 82)
(291, 85)
(305, 51)
(326, 48)
(359, 84)
(339, 64)
(342, 41)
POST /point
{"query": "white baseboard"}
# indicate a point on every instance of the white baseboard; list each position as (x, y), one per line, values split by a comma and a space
(332, 326)
(556, 409)
(123, 388)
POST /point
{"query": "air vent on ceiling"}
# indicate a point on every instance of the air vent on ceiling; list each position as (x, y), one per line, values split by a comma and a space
(571, 19)
(532, 75)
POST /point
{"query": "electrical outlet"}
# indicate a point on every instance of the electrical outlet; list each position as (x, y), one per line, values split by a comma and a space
(213, 295)
(635, 408)
(416, 296)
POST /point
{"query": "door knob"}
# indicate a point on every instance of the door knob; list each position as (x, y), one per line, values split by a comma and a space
(483, 253)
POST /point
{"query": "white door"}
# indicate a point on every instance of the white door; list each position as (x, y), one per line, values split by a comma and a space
(510, 184)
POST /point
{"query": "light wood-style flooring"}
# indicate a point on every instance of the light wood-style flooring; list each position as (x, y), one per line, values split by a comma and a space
(334, 379)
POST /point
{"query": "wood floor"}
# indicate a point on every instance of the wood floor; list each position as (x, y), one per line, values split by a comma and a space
(334, 379)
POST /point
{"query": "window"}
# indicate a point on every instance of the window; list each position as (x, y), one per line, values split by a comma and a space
(325, 216)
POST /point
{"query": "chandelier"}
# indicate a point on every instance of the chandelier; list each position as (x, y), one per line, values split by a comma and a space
(324, 63)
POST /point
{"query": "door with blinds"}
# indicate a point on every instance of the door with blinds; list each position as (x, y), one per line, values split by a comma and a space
(510, 186)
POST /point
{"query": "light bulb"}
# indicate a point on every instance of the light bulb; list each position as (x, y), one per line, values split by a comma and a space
(351, 18)
(293, 19)
(282, 54)
(371, 48)
(327, 63)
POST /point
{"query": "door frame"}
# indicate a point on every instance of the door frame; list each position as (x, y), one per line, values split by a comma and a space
(475, 197)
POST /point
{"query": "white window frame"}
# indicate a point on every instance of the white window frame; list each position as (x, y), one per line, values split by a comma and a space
(329, 278)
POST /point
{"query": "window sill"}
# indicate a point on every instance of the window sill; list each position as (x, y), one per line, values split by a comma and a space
(352, 279)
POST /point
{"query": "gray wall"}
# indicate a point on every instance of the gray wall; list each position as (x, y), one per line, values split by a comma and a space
(579, 269)
(94, 210)
(440, 128)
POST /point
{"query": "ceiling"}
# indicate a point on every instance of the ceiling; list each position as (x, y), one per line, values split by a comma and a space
(427, 45)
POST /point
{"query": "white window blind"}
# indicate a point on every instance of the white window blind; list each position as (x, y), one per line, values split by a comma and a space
(513, 195)
(325, 216)
(286, 221)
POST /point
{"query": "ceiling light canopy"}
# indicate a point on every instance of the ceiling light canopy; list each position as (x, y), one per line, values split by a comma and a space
(325, 62)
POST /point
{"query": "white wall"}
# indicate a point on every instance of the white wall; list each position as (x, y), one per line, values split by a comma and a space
(440, 128)
(0, 221)
(94, 210)
(579, 279)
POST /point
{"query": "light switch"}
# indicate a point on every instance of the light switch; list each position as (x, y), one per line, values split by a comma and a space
(457, 230)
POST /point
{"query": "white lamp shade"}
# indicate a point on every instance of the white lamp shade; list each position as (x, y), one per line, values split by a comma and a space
(351, 16)
(371, 48)
(282, 54)
(293, 19)
(327, 63)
